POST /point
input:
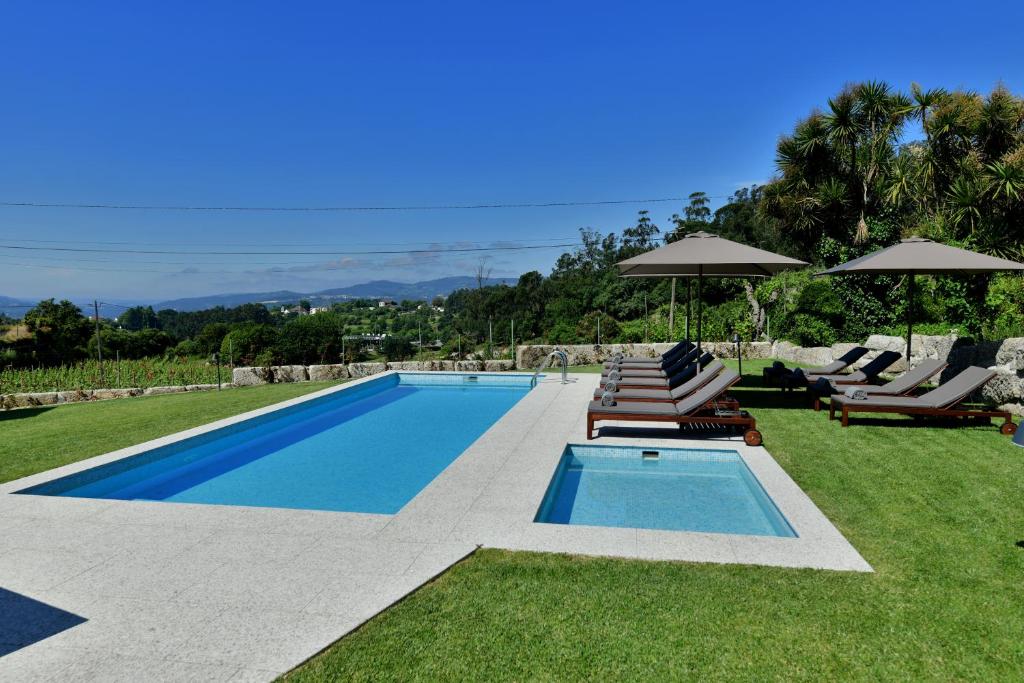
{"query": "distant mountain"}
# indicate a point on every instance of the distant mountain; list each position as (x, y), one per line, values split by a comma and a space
(15, 307)
(378, 289)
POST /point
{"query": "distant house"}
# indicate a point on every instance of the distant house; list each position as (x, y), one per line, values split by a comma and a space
(292, 310)
(387, 303)
(319, 309)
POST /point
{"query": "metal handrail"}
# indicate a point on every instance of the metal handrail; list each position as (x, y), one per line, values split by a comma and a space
(563, 359)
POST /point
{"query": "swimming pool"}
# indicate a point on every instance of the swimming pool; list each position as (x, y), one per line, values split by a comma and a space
(660, 488)
(366, 448)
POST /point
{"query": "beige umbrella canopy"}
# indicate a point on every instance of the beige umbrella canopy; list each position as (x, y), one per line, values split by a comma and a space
(920, 256)
(701, 253)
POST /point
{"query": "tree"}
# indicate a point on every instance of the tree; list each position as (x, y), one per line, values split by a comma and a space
(60, 332)
(139, 318)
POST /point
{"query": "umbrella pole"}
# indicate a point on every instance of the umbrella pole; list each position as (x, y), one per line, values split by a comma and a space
(672, 314)
(700, 304)
(687, 328)
(910, 313)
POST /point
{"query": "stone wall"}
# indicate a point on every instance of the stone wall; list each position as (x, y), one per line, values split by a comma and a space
(52, 398)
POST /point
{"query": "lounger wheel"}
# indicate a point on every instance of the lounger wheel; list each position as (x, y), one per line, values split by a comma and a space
(1007, 428)
(752, 437)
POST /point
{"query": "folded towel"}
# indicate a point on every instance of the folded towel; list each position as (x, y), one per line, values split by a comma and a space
(798, 372)
(778, 365)
(856, 393)
(617, 357)
(611, 387)
(614, 375)
(607, 399)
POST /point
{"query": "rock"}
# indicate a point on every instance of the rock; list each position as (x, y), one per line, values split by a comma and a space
(204, 387)
(245, 377)
(31, 400)
(469, 365)
(107, 394)
(73, 396)
(366, 369)
(1010, 355)
(1005, 387)
(497, 365)
(323, 373)
(885, 342)
(285, 374)
(159, 391)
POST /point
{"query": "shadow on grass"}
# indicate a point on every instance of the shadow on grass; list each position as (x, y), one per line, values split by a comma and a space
(752, 398)
(19, 413)
(24, 621)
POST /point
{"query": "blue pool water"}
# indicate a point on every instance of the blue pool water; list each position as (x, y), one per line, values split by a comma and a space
(679, 490)
(369, 448)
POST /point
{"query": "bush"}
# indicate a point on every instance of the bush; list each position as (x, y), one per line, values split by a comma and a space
(310, 339)
(586, 328)
(396, 348)
(251, 344)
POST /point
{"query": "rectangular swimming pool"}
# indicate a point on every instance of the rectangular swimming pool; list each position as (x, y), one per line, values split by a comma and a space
(660, 488)
(366, 448)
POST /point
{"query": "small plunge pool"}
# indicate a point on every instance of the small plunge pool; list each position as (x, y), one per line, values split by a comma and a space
(660, 488)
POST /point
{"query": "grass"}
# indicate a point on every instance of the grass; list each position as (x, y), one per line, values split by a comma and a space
(37, 439)
(936, 510)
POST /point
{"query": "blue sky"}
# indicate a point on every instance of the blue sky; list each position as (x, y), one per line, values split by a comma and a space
(383, 104)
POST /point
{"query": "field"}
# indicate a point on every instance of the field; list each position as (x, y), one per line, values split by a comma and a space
(113, 374)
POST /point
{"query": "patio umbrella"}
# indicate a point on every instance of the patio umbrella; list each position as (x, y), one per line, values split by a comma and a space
(919, 256)
(702, 254)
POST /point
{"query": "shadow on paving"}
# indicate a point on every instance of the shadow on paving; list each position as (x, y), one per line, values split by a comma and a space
(24, 621)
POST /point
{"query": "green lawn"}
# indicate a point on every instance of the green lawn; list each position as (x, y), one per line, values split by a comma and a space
(37, 439)
(936, 510)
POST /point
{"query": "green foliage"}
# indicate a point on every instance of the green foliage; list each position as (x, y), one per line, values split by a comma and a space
(89, 374)
(60, 332)
(251, 344)
(1005, 300)
(311, 339)
(396, 348)
(587, 327)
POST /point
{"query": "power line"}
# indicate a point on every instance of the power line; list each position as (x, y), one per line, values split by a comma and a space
(293, 253)
(270, 244)
(422, 207)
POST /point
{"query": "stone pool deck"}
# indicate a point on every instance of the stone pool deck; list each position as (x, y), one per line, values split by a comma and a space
(132, 590)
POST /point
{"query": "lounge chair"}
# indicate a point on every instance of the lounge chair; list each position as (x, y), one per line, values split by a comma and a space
(697, 408)
(868, 373)
(941, 402)
(775, 372)
(663, 359)
(673, 353)
(684, 374)
(903, 385)
(668, 394)
(656, 371)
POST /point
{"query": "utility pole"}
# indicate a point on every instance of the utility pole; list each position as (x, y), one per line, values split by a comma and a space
(99, 345)
(599, 329)
(490, 338)
(645, 317)
(512, 338)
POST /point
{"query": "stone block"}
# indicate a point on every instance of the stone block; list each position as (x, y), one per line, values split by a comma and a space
(366, 369)
(497, 365)
(284, 374)
(160, 391)
(324, 373)
(250, 376)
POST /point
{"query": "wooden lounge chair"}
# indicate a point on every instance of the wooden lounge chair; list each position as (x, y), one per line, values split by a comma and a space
(868, 373)
(697, 409)
(941, 402)
(667, 371)
(904, 385)
(665, 358)
(773, 374)
(685, 374)
(666, 394)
